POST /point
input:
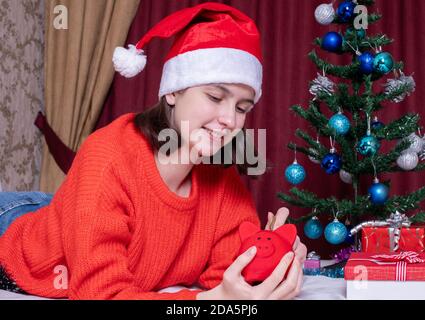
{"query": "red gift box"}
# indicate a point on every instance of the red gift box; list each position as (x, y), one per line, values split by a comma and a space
(390, 276)
(381, 239)
(366, 266)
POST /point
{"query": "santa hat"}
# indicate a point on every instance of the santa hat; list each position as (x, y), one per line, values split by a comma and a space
(214, 43)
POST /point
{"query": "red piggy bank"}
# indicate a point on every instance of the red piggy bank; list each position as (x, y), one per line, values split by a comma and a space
(271, 247)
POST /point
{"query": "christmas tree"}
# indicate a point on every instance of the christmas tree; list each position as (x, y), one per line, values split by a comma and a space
(355, 144)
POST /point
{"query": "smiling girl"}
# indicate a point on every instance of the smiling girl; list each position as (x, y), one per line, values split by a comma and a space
(131, 220)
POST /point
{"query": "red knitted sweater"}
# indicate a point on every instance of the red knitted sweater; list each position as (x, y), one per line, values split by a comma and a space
(115, 231)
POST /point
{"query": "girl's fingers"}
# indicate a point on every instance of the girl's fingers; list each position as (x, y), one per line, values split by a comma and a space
(235, 269)
(281, 216)
(276, 277)
(297, 290)
(270, 217)
(300, 282)
(278, 220)
(287, 288)
(296, 243)
(301, 252)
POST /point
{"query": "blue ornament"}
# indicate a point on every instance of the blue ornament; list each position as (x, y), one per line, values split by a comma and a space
(378, 193)
(332, 41)
(345, 11)
(350, 238)
(368, 146)
(313, 229)
(377, 125)
(340, 123)
(295, 173)
(335, 232)
(360, 33)
(332, 163)
(383, 63)
(366, 60)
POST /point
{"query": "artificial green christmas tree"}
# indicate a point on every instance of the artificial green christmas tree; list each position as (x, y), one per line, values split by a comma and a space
(356, 143)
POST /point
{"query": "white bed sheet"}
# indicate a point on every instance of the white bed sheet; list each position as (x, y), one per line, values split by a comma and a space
(314, 288)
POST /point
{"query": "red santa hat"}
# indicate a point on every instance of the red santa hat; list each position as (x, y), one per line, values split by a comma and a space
(214, 43)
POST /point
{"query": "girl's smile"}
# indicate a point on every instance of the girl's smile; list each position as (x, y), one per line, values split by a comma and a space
(216, 134)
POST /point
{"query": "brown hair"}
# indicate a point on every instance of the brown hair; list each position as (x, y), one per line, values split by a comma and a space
(151, 121)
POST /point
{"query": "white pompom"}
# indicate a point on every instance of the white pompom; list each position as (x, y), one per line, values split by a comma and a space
(324, 14)
(128, 62)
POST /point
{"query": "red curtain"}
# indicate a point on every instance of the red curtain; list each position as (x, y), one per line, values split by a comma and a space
(288, 28)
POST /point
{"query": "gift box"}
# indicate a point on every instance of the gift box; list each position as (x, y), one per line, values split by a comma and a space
(381, 239)
(312, 264)
(398, 276)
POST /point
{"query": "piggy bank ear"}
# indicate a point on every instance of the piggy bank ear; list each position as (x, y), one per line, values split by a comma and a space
(287, 232)
(247, 229)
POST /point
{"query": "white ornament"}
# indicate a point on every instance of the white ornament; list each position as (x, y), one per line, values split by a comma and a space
(422, 155)
(417, 143)
(129, 62)
(422, 152)
(324, 14)
(322, 84)
(313, 159)
(408, 160)
(345, 176)
(395, 84)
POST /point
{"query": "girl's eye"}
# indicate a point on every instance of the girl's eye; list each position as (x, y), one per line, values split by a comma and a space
(241, 110)
(215, 99)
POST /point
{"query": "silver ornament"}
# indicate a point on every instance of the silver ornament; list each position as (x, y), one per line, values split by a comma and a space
(395, 84)
(417, 143)
(408, 160)
(422, 152)
(325, 14)
(322, 84)
(422, 155)
(345, 176)
(313, 159)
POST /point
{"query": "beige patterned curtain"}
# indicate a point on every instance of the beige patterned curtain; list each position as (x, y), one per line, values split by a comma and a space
(81, 36)
(21, 93)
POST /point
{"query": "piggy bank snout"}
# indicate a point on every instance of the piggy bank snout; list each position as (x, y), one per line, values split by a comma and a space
(265, 247)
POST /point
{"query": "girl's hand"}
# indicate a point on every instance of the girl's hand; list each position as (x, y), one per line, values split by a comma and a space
(275, 221)
(234, 286)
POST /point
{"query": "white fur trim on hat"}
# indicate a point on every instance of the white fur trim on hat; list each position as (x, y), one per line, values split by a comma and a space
(129, 62)
(212, 65)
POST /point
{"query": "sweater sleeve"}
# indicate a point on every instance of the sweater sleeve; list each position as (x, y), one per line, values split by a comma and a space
(97, 232)
(237, 206)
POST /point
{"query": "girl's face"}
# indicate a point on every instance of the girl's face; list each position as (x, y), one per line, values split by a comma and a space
(209, 116)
